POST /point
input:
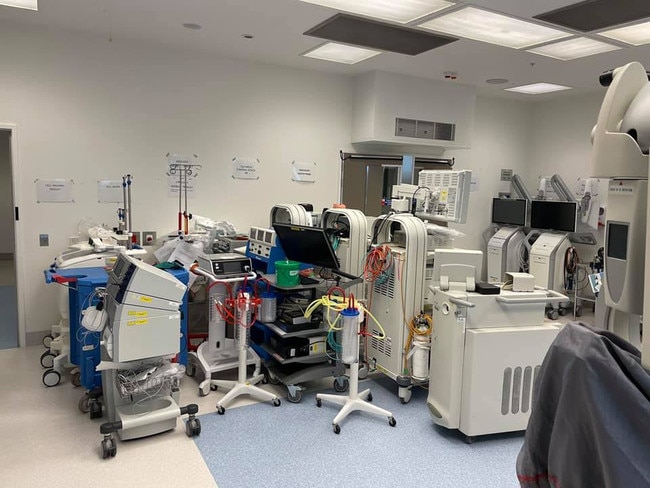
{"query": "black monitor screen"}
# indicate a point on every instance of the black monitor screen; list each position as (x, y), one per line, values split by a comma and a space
(508, 211)
(308, 245)
(617, 240)
(551, 215)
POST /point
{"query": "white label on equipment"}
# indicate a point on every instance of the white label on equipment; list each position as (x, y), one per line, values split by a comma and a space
(621, 188)
(88, 348)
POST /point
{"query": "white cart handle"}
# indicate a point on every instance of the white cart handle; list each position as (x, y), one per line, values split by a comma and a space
(462, 303)
(198, 271)
(552, 296)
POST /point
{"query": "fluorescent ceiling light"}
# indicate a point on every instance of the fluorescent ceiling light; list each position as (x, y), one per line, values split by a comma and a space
(341, 53)
(402, 11)
(574, 48)
(636, 35)
(28, 4)
(481, 25)
(537, 88)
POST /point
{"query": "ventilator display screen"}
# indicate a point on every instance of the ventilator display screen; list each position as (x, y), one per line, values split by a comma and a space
(507, 211)
(552, 215)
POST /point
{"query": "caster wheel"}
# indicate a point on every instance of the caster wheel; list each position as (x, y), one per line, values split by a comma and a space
(276, 402)
(109, 449)
(295, 398)
(95, 410)
(392, 422)
(562, 311)
(552, 314)
(47, 359)
(265, 379)
(363, 372)
(220, 410)
(578, 311)
(336, 428)
(190, 370)
(319, 402)
(214, 387)
(193, 427)
(204, 391)
(273, 380)
(406, 398)
(75, 378)
(342, 385)
(51, 378)
(47, 340)
(469, 439)
(83, 404)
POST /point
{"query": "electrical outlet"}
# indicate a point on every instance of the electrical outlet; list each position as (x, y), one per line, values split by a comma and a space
(44, 240)
(148, 237)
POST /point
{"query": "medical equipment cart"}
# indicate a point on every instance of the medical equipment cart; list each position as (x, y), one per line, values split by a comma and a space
(84, 345)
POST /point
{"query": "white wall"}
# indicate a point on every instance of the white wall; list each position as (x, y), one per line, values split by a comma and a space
(501, 139)
(88, 110)
(6, 197)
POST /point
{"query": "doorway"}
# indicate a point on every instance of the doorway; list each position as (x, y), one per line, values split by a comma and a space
(8, 282)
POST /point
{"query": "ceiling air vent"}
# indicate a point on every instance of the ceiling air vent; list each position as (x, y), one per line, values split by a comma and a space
(425, 129)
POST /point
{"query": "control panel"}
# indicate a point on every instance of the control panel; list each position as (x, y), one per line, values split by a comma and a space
(225, 265)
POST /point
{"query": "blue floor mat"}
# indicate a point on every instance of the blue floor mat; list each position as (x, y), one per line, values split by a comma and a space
(294, 446)
(8, 317)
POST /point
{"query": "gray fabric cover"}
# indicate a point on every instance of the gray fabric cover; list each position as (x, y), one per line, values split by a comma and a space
(590, 421)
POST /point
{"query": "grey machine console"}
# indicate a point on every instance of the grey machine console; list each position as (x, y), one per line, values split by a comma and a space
(225, 265)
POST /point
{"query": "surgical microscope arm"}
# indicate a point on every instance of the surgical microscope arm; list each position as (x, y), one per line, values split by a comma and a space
(518, 188)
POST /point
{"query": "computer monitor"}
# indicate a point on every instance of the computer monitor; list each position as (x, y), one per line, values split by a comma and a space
(308, 245)
(509, 211)
(552, 215)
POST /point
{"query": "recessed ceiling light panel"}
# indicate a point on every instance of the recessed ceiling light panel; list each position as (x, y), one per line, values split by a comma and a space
(481, 25)
(637, 34)
(402, 11)
(537, 88)
(27, 4)
(341, 53)
(574, 48)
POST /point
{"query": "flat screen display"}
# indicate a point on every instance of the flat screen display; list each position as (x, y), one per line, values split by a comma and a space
(308, 245)
(507, 211)
(617, 240)
(550, 215)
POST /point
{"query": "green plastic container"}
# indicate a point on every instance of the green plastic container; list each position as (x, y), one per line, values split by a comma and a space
(286, 273)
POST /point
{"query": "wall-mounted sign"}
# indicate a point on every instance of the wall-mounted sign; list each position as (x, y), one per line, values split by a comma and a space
(245, 169)
(110, 191)
(305, 172)
(54, 191)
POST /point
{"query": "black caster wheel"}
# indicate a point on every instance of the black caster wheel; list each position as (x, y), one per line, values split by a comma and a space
(214, 387)
(562, 311)
(578, 311)
(190, 370)
(47, 359)
(341, 386)
(51, 378)
(95, 409)
(220, 410)
(276, 402)
(469, 439)
(193, 427)
(294, 398)
(84, 404)
(392, 422)
(109, 449)
(369, 399)
(336, 428)
(319, 402)
(552, 314)
(274, 380)
(47, 340)
(75, 378)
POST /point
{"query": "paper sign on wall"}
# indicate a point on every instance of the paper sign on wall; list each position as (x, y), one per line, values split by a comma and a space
(110, 191)
(305, 172)
(54, 191)
(245, 169)
(474, 184)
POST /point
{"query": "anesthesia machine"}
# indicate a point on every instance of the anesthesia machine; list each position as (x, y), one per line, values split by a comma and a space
(140, 317)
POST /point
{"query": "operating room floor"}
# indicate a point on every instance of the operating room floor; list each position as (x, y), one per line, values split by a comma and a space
(46, 441)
